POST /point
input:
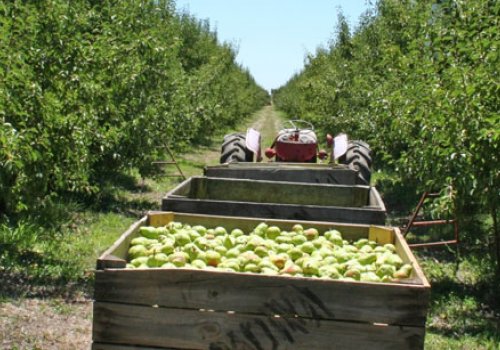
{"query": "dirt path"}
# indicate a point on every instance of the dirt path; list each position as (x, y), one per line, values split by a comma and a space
(55, 323)
(267, 121)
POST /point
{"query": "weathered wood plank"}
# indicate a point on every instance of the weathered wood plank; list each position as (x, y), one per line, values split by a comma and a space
(259, 191)
(115, 256)
(104, 346)
(367, 215)
(406, 254)
(194, 329)
(308, 175)
(396, 304)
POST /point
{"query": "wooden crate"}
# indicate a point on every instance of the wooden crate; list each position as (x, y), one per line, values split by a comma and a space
(277, 200)
(288, 172)
(207, 309)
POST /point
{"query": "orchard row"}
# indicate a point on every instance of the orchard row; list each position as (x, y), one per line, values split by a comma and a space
(90, 88)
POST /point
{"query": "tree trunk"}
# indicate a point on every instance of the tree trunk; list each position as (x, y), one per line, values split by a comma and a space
(496, 234)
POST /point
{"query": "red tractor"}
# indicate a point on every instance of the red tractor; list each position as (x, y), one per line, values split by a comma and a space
(297, 143)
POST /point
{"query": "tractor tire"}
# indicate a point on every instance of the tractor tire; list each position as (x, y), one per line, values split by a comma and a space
(358, 157)
(234, 149)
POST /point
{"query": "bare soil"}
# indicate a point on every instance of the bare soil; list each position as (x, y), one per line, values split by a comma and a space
(51, 322)
(46, 324)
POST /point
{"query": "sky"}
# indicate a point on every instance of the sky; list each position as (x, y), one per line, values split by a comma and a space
(273, 37)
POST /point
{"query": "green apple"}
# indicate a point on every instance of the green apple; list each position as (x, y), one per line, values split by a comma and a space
(167, 239)
(137, 251)
(168, 265)
(341, 255)
(260, 229)
(328, 260)
(284, 247)
(193, 234)
(221, 250)
(350, 248)
(295, 253)
(403, 272)
(167, 248)
(395, 260)
(311, 266)
(242, 239)
(149, 232)
(361, 242)
(366, 249)
(261, 251)
(325, 252)
(233, 264)
(291, 269)
(210, 233)
(154, 248)
(268, 271)
(385, 270)
(237, 232)
(297, 228)
(390, 247)
(249, 257)
(213, 258)
(200, 229)
(311, 234)
(307, 247)
(353, 273)
(201, 243)
(142, 241)
(228, 241)
(174, 226)
(369, 277)
(329, 271)
(299, 239)
(179, 259)
(157, 260)
(367, 258)
(284, 239)
(253, 242)
(272, 232)
(198, 264)
(267, 263)
(220, 231)
(319, 242)
(233, 253)
(182, 238)
(279, 260)
(192, 250)
(251, 268)
(139, 261)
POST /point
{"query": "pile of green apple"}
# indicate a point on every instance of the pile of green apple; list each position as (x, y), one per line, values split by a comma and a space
(266, 250)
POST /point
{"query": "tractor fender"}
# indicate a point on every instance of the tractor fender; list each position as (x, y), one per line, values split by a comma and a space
(253, 142)
(340, 145)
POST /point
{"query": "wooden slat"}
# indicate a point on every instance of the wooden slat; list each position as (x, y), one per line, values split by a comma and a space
(395, 304)
(115, 255)
(406, 254)
(366, 215)
(104, 346)
(261, 191)
(194, 329)
(308, 175)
